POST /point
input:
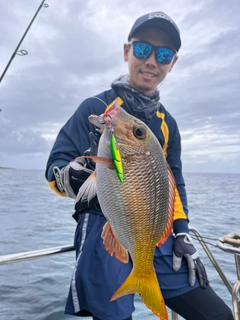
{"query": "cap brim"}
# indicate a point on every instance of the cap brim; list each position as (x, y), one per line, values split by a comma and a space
(162, 24)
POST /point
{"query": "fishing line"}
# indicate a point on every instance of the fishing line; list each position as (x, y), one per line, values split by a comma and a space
(19, 66)
(205, 242)
(22, 52)
(203, 237)
(160, 84)
(28, 42)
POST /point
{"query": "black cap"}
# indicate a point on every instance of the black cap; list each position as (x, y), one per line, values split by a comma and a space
(158, 20)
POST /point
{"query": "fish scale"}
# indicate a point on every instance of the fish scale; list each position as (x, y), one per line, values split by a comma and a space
(135, 204)
(138, 209)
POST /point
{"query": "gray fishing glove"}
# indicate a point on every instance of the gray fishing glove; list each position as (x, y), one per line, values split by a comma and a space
(70, 178)
(184, 248)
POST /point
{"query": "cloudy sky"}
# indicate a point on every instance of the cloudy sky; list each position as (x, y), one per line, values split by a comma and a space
(75, 51)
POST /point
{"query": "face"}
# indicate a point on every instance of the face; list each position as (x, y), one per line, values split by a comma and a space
(147, 74)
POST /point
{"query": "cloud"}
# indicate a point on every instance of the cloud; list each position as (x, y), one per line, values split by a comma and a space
(75, 51)
(20, 140)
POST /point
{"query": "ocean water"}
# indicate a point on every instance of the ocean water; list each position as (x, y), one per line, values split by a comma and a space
(32, 217)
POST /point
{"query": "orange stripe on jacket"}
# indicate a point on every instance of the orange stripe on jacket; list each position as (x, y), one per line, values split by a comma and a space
(178, 208)
(53, 186)
(165, 131)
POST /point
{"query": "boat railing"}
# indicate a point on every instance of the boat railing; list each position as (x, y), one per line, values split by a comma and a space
(229, 243)
(31, 255)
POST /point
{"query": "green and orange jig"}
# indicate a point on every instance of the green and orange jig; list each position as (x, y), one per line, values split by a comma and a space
(116, 156)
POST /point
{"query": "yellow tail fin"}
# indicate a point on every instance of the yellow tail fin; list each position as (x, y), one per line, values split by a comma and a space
(149, 290)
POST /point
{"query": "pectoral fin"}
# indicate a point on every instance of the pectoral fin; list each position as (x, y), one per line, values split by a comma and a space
(88, 190)
(112, 245)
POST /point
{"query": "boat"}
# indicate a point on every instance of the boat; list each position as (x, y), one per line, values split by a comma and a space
(229, 243)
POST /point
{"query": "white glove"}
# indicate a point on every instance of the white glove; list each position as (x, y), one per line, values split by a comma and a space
(70, 178)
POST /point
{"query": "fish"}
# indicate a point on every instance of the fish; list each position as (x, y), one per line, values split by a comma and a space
(136, 191)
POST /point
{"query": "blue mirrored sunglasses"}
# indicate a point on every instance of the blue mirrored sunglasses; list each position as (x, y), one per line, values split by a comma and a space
(142, 50)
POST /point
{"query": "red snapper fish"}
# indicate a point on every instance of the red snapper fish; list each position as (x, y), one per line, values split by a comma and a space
(135, 189)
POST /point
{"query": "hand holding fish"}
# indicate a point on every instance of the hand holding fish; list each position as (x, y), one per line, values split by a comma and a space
(184, 248)
(71, 177)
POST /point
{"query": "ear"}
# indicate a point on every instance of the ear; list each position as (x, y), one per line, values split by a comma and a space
(126, 49)
(173, 63)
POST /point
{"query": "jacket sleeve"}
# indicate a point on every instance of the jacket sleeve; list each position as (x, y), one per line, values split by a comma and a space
(73, 139)
(173, 157)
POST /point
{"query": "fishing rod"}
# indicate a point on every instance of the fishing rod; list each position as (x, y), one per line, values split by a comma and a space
(23, 52)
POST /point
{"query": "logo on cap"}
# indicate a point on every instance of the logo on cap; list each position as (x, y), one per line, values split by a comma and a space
(159, 15)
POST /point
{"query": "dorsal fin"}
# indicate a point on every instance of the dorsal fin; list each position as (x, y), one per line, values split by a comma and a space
(172, 196)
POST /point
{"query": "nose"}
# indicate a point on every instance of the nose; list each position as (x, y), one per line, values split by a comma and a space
(151, 60)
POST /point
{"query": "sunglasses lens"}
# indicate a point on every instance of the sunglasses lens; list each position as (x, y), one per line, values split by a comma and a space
(164, 55)
(142, 50)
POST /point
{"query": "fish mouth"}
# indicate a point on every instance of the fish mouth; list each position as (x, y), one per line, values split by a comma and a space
(105, 120)
(98, 121)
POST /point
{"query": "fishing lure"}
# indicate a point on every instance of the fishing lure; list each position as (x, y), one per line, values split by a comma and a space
(116, 156)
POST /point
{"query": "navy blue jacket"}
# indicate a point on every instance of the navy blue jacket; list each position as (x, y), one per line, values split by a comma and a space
(73, 140)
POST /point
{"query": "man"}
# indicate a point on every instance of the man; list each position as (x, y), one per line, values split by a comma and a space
(151, 53)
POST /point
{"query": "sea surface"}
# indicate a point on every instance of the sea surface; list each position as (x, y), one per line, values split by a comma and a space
(32, 217)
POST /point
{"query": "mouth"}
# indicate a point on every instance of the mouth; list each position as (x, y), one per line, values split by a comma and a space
(148, 75)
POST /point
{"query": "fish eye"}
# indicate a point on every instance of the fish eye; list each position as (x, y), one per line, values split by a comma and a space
(139, 132)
